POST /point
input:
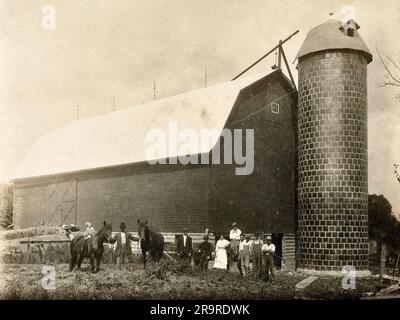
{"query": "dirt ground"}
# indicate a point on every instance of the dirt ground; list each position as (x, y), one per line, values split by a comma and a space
(22, 281)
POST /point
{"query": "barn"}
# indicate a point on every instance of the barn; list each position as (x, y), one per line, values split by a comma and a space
(97, 168)
(309, 174)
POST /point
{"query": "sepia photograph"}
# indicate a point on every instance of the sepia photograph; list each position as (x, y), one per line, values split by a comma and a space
(201, 150)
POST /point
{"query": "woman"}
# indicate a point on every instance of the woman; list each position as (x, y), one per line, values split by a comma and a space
(221, 257)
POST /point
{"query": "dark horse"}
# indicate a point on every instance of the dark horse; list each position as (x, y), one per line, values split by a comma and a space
(150, 241)
(90, 248)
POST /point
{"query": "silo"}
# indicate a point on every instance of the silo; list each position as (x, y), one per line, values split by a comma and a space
(332, 154)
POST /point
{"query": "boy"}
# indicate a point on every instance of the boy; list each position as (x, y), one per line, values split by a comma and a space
(244, 254)
(90, 231)
(268, 251)
(256, 255)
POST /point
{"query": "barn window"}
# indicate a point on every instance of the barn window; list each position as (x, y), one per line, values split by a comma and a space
(275, 107)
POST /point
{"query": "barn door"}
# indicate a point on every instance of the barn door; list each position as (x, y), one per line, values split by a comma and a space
(60, 200)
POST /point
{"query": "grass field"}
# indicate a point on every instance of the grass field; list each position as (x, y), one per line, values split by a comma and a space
(21, 278)
(169, 281)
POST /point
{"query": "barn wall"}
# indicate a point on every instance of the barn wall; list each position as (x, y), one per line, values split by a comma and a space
(170, 197)
(265, 200)
(48, 201)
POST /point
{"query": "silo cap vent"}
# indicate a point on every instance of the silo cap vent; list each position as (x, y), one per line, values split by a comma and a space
(349, 27)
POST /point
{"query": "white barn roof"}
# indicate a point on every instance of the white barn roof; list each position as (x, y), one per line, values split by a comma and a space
(119, 137)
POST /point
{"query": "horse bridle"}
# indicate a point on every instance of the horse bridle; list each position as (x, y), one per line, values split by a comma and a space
(109, 237)
(144, 234)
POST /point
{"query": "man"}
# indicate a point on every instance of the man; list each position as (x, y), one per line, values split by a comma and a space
(184, 247)
(268, 252)
(123, 249)
(239, 263)
(205, 250)
(234, 236)
(256, 255)
(90, 231)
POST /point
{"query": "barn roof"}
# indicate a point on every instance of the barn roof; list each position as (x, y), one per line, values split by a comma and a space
(119, 137)
(330, 35)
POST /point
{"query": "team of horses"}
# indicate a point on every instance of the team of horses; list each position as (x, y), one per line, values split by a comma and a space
(150, 242)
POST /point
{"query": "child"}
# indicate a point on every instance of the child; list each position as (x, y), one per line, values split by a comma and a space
(268, 251)
(244, 253)
(90, 231)
(256, 255)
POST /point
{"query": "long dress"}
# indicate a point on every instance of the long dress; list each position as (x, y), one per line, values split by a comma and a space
(221, 257)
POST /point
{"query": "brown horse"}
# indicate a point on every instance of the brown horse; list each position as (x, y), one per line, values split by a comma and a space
(90, 248)
(150, 241)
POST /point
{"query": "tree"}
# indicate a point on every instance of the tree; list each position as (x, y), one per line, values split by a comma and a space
(392, 70)
(392, 80)
(6, 205)
(383, 225)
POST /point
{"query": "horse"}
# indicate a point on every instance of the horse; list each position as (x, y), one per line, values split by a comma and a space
(150, 242)
(90, 248)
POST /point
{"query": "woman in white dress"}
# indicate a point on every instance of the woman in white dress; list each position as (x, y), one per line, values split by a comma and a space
(221, 257)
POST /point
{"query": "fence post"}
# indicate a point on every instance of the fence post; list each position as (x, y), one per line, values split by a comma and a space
(382, 259)
(397, 264)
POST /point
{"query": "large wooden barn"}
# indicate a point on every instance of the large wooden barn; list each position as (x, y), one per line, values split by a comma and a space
(96, 169)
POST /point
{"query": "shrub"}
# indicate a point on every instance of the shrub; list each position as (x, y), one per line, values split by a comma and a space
(383, 225)
(6, 205)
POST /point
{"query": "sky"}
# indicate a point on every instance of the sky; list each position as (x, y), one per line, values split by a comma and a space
(103, 51)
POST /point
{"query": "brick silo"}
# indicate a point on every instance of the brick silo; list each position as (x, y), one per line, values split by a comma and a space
(333, 159)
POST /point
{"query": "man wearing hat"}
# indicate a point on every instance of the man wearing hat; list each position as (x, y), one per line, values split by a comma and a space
(184, 247)
(205, 250)
(268, 252)
(234, 236)
(123, 249)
